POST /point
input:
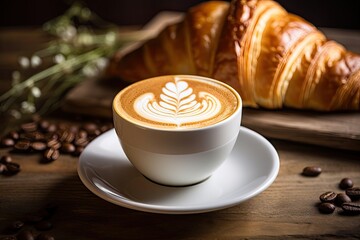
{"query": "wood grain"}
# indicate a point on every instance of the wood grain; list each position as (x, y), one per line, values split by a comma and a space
(287, 209)
(339, 130)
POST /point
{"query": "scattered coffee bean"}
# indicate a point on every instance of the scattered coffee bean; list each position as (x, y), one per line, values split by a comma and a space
(22, 146)
(328, 197)
(2, 168)
(351, 207)
(67, 148)
(11, 169)
(49, 139)
(38, 146)
(90, 128)
(66, 136)
(53, 143)
(353, 193)
(32, 226)
(346, 183)
(33, 136)
(342, 198)
(43, 225)
(5, 159)
(105, 127)
(78, 151)
(13, 135)
(7, 142)
(82, 134)
(44, 236)
(50, 155)
(29, 127)
(81, 142)
(311, 171)
(25, 235)
(326, 207)
(51, 129)
(44, 125)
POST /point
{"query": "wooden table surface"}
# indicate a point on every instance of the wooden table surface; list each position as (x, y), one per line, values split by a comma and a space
(286, 210)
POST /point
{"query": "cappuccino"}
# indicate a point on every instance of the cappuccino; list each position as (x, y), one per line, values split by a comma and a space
(176, 102)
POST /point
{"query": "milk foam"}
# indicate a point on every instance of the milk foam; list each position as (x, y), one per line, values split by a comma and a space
(176, 102)
(178, 105)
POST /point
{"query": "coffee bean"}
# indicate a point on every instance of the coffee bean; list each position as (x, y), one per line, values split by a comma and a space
(311, 171)
(7, 142)
(351, 207)
(66, 136)
(5, 159)
(44, 236)
(25, 235)
(50, 155)
(326, 207)
(62, 126)
(74, 129)
(346, 183)
(11, 169)
(22, 146)
(78, 151)
(29, 127)
(51, 136)
(67, 148)
(90, 127)
(53, 143)
(342, 198)
(81, 142)
(106, 127)
(353, 193)
(43, 225)
(44, 125)
(13, 135)
(82, 134)
(33, 136)
(92, 130)
(51, 128)
(38, 146)
(2, 168)
(328, 197)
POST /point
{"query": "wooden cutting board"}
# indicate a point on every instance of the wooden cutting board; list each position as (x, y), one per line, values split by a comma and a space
(337, 130)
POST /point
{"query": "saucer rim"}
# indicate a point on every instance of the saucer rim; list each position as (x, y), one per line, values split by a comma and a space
(189, 209)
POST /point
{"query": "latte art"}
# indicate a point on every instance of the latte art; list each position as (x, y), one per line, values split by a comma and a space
(178, 105)
(177, 102)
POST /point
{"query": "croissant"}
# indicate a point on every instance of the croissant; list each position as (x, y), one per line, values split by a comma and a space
(272, 58)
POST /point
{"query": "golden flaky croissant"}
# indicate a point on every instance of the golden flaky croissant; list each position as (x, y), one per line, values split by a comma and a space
(272, 58)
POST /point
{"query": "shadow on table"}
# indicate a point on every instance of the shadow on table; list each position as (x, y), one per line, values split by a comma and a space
(83, 215)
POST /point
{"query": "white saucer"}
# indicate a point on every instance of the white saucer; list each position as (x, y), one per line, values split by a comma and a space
(252, 166)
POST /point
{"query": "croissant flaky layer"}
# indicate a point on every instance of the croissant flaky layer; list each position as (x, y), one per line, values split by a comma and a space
(272, 58)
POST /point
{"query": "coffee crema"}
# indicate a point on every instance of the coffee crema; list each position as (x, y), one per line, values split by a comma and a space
(176, 102)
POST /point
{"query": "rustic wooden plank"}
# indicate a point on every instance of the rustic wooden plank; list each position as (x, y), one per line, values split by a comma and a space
(285, 210)
(337, 130)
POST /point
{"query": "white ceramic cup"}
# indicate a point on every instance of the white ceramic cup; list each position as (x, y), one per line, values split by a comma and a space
(178, 157)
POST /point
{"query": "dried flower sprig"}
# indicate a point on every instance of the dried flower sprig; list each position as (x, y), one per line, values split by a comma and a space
(83, 42)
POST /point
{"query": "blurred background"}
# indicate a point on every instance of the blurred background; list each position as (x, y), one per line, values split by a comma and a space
(322, 13)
